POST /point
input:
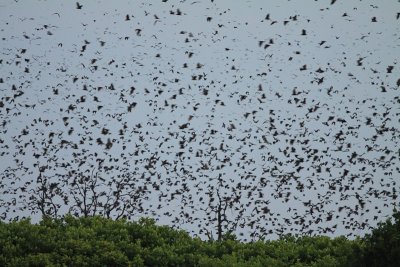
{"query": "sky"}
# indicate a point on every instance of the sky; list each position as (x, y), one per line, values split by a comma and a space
(285, 113)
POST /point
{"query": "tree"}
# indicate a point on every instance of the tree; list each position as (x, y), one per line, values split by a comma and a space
(91, 195)
(46, 196)
(219, 204)
(382, 246)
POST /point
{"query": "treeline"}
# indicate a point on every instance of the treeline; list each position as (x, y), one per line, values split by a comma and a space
(97, 241)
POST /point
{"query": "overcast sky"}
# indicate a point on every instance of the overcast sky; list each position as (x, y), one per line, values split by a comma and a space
(295, 104)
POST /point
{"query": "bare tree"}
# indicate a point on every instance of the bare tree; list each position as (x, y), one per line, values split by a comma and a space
(224, 211)
(91, 195)
(46, 196)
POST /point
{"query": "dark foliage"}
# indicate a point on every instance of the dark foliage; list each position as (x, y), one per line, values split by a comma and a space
(97, 241)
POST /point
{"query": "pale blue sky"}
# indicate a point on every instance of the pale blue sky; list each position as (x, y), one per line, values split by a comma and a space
(149, 51)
